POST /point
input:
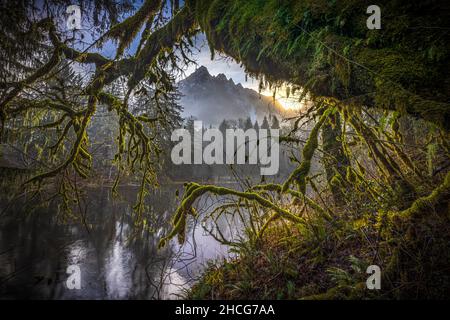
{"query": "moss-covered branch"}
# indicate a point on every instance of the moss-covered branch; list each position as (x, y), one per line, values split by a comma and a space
(195, 191)
(127, 30)
(301, 172)
(423, 205)
(327, 49)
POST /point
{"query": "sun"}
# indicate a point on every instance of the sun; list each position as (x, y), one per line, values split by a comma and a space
(288, 103)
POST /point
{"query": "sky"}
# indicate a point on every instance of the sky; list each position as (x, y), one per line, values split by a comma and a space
(202, 55)
(220, 64)
(231, 69)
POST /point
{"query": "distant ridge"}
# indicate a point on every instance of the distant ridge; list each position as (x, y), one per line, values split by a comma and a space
(214, 98)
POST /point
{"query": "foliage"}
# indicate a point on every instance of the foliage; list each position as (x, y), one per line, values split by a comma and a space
(380, 199)
(326, 48)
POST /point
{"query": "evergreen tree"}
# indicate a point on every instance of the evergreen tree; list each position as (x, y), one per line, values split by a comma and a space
(248, 124)
(223, 126)
(275, 123)
(265, 123)
(256, 126)
(241, 123)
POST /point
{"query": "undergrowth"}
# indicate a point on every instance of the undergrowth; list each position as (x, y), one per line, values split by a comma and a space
(328, 260)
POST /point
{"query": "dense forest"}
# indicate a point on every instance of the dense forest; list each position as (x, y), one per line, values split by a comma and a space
(364, 176)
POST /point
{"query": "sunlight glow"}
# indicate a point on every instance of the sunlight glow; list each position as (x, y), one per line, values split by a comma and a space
(288, 103)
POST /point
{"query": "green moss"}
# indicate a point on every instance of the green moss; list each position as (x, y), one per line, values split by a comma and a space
(300, 173)
(127, 30)
(424, 204)
(326, 47)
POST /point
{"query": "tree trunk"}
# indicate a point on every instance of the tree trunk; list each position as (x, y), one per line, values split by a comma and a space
(334, 159)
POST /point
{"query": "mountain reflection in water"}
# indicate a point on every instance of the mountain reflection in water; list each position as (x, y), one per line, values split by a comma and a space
(116, 261)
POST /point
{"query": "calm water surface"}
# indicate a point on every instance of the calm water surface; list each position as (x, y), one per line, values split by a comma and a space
(37, 248)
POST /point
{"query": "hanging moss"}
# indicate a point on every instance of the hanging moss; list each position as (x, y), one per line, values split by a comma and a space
(326, 47)
(126, 31)
(335, 159)
(300, 173)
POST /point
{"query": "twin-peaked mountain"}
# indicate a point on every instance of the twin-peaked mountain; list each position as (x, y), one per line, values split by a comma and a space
(214, 98)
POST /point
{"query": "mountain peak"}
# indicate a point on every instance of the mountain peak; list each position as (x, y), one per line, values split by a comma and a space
(214, 98)
(221, 77)
(202, 70)
(200, 74)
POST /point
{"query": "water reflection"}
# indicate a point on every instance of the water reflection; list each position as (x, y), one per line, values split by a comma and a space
(115, 261)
